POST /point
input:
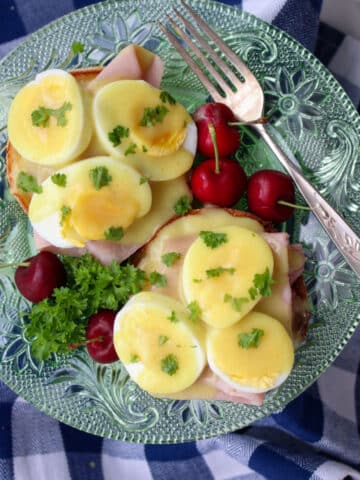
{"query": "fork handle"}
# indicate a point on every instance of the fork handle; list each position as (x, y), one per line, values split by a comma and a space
(335, 226)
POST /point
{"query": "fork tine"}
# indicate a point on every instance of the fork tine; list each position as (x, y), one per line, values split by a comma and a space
(221, 82)
(236, 61)
(192, 64)
(219, 61)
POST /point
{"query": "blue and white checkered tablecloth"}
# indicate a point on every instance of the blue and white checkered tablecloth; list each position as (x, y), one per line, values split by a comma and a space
(316, 437)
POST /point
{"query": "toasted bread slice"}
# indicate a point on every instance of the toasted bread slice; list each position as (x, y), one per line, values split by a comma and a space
(16, 163)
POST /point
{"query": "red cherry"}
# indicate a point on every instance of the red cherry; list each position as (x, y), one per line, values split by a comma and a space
(224, 188)
(99, 336)
(265, 189)
(228, 137)
(37, 277)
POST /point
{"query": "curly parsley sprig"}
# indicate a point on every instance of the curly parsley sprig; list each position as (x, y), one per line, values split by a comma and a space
(58, 321)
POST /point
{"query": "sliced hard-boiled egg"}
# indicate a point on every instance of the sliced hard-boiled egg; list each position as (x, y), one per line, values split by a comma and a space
(254, 355)
(93, 199)
(146, 127)
(49, 121)
(160, 346)
(164, 196)
(227, 270)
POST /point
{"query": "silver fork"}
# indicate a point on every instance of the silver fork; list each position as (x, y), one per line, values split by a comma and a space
(246, 99)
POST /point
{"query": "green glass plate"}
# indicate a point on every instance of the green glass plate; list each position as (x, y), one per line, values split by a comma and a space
(310, 114)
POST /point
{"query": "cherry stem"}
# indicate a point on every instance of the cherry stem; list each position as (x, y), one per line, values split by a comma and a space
(15, 264)
(216, 150)
(292, 205)
(73, 346)
(259, 120)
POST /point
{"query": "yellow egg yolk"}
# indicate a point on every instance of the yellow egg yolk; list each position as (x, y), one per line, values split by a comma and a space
(156, 126)
(258, 364)
(154, 329)
(93, 213)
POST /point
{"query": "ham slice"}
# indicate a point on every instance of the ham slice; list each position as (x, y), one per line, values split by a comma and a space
(104, 250)
(296, 262)
(301, 311)
(278, 305)
(132, 63)
(43, 245)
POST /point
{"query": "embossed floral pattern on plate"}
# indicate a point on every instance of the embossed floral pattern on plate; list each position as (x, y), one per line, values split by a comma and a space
(295, 100)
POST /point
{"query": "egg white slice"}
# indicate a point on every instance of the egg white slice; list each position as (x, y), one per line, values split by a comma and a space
(258, 368)
(190, 142)
(49, 229)
(245, 254)
(119, 203)
(162, 152)
(136, 331)
(54, 145)
(49, 73)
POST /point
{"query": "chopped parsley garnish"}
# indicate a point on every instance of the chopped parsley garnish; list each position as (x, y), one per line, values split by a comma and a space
(170, 258)
(197, 280)
(163, 339)
(172, 317)
(77, 47)
(213, 239)
(262, 285)
(130, 150)
(158, 279)
(117, 134)
(236, 302)
(59, 179)
(144, 180)
(216, 272)
(41, 116)
(152, 116)
(167, 98)
(170, 364)
(251, 339)
(253, 293)
(28, 183)
(61, 319)
(144, 149)
(65, 211)
(134, 358)
(194, 310)
(183, 205)
(114, 233)
(100, 177)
